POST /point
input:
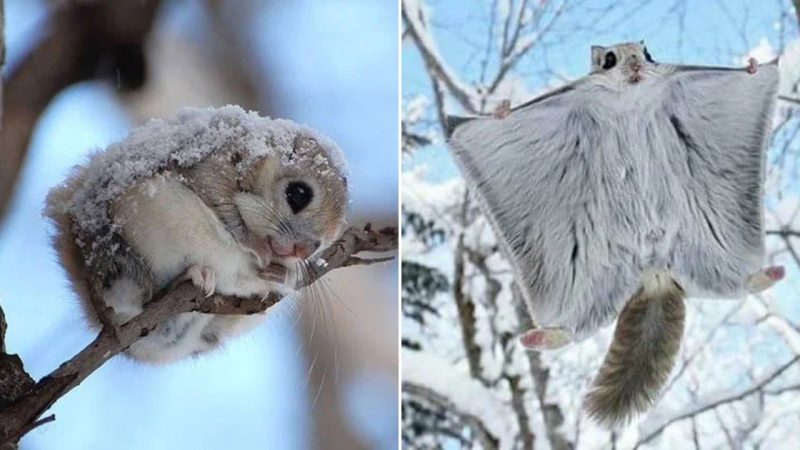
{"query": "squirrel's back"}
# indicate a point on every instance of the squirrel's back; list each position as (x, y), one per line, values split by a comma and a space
(65, 243)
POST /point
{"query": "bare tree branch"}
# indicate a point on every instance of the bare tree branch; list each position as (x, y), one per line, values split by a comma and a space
(79, 37)
(432, 61)
(184, 297)
(713, 401)
(465, 304)
(516, 51)
(788, 99)
(2, 62)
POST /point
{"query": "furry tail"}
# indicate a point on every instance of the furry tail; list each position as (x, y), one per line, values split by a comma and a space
(641, 355)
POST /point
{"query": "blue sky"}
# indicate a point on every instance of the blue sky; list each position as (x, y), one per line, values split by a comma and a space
(258, 390)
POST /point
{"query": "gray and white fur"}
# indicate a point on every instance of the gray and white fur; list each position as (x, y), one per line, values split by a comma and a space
(639, 171)
(211, 194)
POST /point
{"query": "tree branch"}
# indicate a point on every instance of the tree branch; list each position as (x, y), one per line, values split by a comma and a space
(653, 427)
(415, 26)
(788, 99)
(2, 61)
(184, 297)
(517, 51)
(552, 416)
(79, 39)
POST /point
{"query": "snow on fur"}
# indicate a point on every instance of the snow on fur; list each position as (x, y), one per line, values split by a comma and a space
(181, 141)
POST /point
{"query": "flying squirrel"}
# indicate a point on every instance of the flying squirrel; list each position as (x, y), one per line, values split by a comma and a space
(619, 195)
(220, 196)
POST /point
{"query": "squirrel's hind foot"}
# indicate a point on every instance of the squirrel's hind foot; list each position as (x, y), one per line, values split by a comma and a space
(765, 278)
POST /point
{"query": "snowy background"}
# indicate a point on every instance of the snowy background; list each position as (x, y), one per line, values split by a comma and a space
(315, 62)
(736, 383)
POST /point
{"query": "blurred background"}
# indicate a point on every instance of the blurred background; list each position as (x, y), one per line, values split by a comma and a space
(315, 376)
(466, 384)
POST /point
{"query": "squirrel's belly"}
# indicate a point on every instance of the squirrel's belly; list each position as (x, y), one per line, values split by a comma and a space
(172, 229)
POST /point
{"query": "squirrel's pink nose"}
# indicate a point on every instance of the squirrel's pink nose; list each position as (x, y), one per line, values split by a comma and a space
(301, 250)
(305, 249)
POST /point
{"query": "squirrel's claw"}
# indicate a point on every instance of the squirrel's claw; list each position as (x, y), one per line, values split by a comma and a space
(204, 278)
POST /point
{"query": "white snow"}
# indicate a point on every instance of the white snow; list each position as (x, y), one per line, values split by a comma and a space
(466, 394)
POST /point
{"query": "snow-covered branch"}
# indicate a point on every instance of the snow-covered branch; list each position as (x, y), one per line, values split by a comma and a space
(452, 387)
(486, 439)
(414, 18)
(656, 424)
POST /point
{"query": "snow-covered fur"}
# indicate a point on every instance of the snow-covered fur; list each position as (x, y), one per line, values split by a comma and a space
(205, 193)
(638, 167)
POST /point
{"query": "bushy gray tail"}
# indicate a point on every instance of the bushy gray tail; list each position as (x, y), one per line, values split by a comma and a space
(641, 355)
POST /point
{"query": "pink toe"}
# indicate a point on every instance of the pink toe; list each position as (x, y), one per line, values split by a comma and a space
(532, 339)
(775, 273)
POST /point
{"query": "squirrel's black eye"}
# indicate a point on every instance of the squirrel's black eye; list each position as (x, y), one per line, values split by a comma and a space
(647, 56)
(610, 61)
(298, 195)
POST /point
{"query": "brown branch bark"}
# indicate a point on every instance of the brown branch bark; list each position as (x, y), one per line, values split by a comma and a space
(2, 58)
(466, 315)
(465, 304)
(24, 412)
(78, 39)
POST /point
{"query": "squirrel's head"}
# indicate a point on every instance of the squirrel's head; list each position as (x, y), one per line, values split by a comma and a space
(628, 63)
(293, 205)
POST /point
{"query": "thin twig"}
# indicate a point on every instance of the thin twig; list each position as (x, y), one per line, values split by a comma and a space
(432, 61)
(715, 401)
(786, 98)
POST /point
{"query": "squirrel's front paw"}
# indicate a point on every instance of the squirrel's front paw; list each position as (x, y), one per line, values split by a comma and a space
(545, 338)
(752, 66)
(502, 110)
(204, 278)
